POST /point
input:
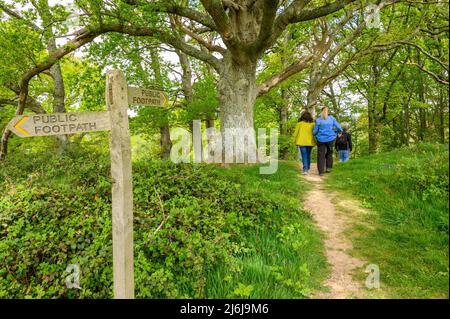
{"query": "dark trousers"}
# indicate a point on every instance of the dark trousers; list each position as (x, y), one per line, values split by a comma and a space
(324, 156)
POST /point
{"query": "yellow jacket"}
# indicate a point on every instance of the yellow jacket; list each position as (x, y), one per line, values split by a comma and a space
(303, 134)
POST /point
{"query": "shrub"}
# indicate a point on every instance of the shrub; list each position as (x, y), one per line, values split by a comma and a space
(57, 211)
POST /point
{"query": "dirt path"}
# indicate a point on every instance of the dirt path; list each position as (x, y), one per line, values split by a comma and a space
(333, 223)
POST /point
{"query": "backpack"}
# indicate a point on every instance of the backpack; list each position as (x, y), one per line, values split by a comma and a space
(342, 139)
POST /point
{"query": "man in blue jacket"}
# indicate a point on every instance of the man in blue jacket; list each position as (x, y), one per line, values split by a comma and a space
(325, 131)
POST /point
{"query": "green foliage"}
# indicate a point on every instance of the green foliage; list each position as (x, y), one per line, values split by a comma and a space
(205, 101)
(20, 48)
(86, 85)
(285, 145)
(284, 257)
(407, 235)
(56, 211)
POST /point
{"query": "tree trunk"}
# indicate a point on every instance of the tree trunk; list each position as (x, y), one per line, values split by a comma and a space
(422, 111)
(34, 106)
(336, 109)
(314, 89)
(210, 123)
(284, 108)
(23, 96)
(237, 95)
(4, 144)
(164, 128)
(59, 95)
(372, 109)
(186, 79)
(186, 82)
(373, 131)
(166, 143)
(311, 101)
(406, 121)
(442, 105)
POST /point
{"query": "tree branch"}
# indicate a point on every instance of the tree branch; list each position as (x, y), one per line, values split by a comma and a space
(83, 36)
(200, 40)
(375, 48)
(418, 47)
(283, 20)
(436, 77)
(231, 4)
(276, 79)
(31, 104)
(217, 11)
(194, 15)
(173, 8)
(436, 30)
(306, 15)
(267, 24)
(165, 38)
(16, 15)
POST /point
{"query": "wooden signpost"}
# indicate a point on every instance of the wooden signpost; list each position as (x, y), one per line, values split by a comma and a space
(147, 97)
(59, 123)
(115, 120)
(122, 188)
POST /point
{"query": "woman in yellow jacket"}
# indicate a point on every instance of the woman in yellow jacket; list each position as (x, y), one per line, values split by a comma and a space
(304, 139)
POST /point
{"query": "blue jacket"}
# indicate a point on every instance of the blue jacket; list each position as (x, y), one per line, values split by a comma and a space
(323, 129)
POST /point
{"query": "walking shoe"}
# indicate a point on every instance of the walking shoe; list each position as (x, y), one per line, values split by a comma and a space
(321, 174)
(328, 170)
(305, 172)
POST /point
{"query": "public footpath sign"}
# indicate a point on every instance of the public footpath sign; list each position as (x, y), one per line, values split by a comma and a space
(115, 120)
(147, 97)
(59, 123)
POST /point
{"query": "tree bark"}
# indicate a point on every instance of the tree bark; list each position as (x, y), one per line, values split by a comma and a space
(422, 111)
(314, 89)
(406, 119)
(165, 141)
(284, 110)
(164, 129)
(186, 79)
(59, 95)
(237, 95)
(334, 102)
(210, 123)
(284, 107)
(374, 129)
(442, 105)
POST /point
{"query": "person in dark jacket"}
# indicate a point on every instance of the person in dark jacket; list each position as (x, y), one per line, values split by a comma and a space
(343, 144)
(325, 131)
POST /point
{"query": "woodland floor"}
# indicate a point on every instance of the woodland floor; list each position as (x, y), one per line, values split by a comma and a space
(334, 221)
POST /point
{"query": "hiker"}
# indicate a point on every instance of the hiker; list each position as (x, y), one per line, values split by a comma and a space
(343, 144)
(325, 135)
(304, 139)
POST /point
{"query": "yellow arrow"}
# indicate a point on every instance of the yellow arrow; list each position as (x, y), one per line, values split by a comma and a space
(21, 130)
(165, 99)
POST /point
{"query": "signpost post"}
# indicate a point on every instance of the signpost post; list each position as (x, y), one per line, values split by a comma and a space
(122, 189)
(115, 119)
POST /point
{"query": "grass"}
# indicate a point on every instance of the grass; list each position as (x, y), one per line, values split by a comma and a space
(285, 259)
(230, 232)
(406, 233)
